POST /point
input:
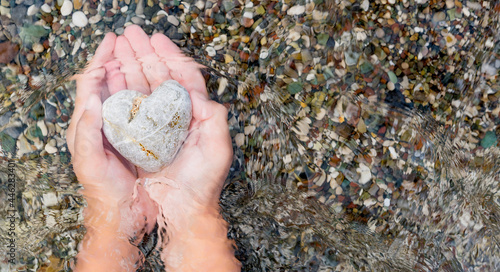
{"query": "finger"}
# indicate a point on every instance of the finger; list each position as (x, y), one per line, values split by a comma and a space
(90, 83)
(131, 67)
(139, 41)
(104, 52)
(212, 118)
(114, 77)
(89, 152)
(154, 70)
(215, 137)
(183, 69)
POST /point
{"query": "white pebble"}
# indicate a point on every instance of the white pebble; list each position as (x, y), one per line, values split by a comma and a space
(387, 202)
(365, 5)
(393, 153)
(95, 19)
(173, 20)
(287, 159)
(263, 54)
(50, 149)
(365, 174)
(239, 139)
(79, 19)
(66, 8)
(248, 14)
(296, 10)
(32, 10)
(49, 199)
(211, 51)
(124, 9)
(38, 48)
(46, 8)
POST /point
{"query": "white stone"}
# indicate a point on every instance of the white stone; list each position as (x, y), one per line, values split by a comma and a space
(148, 130)
(5, 11)
(296, 10)
(50, 149)
(248, 14)
(173, 20)
(49, 199)
(32, 10)
(393, 153)
(38, 48)
(95, 19)
(66, 8)
(365, 174)
(211, 51)
(79, 19)
(239, 139)
(387, 202)
(46, 8)
(365, 5)
(263, 54)
(450, 4)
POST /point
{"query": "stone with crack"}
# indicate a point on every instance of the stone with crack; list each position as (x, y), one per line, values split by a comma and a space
(148, 130)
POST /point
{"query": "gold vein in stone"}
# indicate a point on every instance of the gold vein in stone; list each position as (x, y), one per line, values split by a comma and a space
(135, 107)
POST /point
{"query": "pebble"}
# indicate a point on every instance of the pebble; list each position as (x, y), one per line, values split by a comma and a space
(137, 20)
(211, 51)
(365, 174)
(32, 10)
(450, 4)
(46, 8)
(438, 17)
(66, 8)
(239, 139)
(77, 4)
(42, 126)
(380, 33)
(365, 5)
(139, 10)
(49, 199)
(79, 19)
(50, 149)
(38, 48)
(296, 10)
(173, 20)
(95, 19)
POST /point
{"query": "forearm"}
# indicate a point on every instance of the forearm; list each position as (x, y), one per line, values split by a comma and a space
(202, 245)
(104, 248)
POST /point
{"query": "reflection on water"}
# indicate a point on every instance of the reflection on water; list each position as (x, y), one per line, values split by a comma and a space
(365, 133)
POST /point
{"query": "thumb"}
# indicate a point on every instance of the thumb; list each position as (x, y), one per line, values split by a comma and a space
(89, 151)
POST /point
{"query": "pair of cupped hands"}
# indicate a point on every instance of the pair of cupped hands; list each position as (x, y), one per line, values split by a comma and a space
(120, 195)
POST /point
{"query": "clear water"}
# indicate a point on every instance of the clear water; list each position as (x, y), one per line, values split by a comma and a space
(308, 115)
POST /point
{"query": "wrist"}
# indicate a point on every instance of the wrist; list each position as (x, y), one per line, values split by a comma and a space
(104, 249)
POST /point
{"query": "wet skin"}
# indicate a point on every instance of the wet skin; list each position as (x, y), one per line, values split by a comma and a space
(124, 201)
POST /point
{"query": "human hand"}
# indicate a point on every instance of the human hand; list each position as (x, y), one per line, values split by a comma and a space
(115, 212)
(201, 166)
(187, 191)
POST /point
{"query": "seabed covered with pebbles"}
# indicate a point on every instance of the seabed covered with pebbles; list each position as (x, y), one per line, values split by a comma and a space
(365, 133)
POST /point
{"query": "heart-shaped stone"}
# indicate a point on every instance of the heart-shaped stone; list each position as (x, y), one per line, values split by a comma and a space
(148, 130)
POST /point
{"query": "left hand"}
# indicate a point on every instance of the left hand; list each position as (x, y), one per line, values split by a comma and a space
(108, 179)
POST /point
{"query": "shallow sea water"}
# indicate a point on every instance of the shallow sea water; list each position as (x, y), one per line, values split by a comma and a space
(365, 133)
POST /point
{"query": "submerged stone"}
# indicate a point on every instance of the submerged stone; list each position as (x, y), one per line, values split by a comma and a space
(148, 130)
(490, 139)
